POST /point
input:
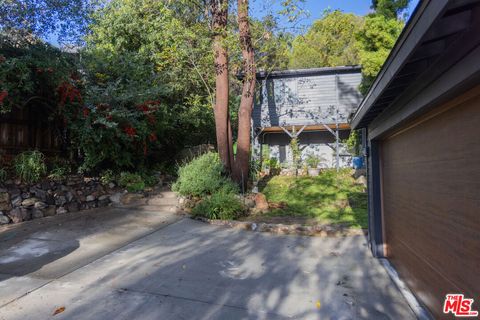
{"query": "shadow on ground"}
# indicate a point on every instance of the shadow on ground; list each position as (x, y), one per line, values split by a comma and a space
(190, 270)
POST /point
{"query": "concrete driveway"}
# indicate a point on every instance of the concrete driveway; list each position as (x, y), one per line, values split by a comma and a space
(144, 264)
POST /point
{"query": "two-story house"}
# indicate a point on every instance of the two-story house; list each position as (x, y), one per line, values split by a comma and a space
(314, 104)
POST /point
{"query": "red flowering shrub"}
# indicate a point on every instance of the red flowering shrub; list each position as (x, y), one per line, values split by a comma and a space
(130, 131)
(3, 95)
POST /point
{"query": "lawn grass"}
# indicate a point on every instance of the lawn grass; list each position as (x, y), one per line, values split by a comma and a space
(329, 198)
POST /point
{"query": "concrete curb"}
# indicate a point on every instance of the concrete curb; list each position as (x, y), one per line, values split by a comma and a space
(417, 308)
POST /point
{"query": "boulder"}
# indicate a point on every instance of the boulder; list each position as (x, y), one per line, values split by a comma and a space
(50, 211)
(60, 200)
(37, 213)
(116, 197)
(39, 193)
(69, 196)
(90, 197)
(5, 201)
(17, 201)
(4, 219)
(29, 202)
(61, 210)
(40, 205)
(249, 202)
(19, 215)
(73, 206)
(261, 203)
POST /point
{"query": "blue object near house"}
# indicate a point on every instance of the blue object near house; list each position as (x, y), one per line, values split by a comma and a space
(357, 162)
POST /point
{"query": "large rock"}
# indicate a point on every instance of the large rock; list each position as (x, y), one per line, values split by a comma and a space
(39, 193)
(61, 210)
(90, 197)
(37, 213)
(5, 201)
(60, 199)
(116, 197)
(29, 202)
(4, 219)
(40, 205)
(20, 214)
(73, 206)
(17, 201)
(249, 202)
(50, 211)
(261, 203)
(69, 196)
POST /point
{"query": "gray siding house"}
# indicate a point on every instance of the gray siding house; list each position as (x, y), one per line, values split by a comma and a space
(317, 103)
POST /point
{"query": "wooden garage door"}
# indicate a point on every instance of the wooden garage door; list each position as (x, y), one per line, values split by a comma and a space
(431, 202)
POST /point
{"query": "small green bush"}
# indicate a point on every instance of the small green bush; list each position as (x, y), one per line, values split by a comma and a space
(30, 166)
(107, 177)
(150, 179)
(221, 205)
(3, 175)
(202, 176)
(60, 170)
(132, 181)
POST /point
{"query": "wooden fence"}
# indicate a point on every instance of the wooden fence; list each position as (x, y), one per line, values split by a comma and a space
(28, 128)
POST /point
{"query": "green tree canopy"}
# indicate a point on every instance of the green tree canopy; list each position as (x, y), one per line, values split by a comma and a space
(375, 41)
(390, 9)
(329, 42)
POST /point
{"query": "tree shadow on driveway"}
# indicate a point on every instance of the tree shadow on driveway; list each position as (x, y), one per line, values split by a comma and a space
(190, 270)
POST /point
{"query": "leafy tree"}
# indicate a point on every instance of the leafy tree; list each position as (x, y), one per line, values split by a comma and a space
(390, 9)
(329, 42)
(375, 40)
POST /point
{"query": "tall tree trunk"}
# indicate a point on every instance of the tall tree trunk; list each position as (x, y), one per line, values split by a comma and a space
(219, 11)
(242, 159)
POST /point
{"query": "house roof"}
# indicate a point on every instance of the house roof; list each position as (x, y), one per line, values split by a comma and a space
(308, 72)
(421, 54)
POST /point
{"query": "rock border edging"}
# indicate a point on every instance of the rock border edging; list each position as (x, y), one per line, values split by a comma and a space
(292, 229)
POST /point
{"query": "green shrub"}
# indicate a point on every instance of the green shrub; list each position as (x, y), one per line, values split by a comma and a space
(132, 181)
(107, 176)
(30, 166)
(3, 175)
(59, 169)
(59, 173)
(202, 176)
(150, 179)
(221, 205)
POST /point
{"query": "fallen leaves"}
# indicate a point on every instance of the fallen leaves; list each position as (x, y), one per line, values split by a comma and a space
(58, 310)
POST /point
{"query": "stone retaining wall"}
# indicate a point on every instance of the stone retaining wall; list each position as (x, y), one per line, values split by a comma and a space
(20, 202)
